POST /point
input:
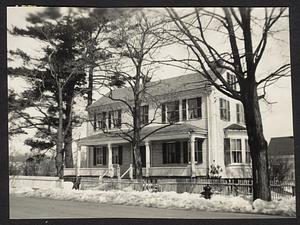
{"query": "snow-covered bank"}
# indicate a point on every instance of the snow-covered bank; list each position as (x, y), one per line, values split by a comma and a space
(171, 200)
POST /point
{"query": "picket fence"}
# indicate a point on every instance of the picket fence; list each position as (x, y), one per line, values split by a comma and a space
(224, 186)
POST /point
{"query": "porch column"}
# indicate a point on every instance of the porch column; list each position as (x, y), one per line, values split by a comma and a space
(147, 147)
(192, 142)
(110, 167)
(78, 160)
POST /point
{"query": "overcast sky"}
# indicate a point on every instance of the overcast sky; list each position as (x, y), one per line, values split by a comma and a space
(277, 118)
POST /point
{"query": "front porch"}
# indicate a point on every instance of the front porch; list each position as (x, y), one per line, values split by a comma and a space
(175, 151)
(153, 172)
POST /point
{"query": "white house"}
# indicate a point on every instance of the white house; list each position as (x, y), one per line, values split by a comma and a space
(208, 128)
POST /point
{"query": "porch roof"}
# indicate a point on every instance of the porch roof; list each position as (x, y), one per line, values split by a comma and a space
(162, 132)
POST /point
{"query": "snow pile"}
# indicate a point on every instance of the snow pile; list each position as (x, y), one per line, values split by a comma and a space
(285, 206)
(171, 200)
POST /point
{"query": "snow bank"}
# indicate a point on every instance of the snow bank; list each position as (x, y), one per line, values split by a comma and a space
(171, 200)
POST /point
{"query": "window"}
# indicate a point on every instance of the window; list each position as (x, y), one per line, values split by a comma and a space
(194, 108)
(170, 110)
(145, 114)
(198, 151)
(236, 150)
(224, 110)
(171, 152)
(247, 150)
(114, 119)
(102, 120)
(117, 155)
(232, 151)
(191, 108)
(99, 156)
(232, 81)
(240, 114)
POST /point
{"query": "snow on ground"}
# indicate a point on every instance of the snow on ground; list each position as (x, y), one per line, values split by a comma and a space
(171, 200)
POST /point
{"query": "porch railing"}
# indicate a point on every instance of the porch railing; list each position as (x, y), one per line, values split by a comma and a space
(130, 171)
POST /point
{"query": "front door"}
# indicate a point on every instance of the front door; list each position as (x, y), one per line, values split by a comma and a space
(143, 155)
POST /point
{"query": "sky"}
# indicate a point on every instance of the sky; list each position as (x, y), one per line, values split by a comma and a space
(277, 117)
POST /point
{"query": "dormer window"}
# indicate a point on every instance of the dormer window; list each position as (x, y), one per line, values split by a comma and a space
(232, 81)
(170, 111)
(114, 119)
(102, 120)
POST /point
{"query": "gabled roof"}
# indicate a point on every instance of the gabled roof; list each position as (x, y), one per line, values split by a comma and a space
(235, 126)
(281, 146)
(157, 88)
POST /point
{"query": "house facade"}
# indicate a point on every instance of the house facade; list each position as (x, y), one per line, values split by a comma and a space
(191, 127)
(282, 158)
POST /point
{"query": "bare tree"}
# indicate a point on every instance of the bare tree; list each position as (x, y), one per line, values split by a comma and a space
(133, 47)
(240, 55)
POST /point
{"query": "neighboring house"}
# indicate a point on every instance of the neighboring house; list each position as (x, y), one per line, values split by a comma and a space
(282, 158)
(208, 128)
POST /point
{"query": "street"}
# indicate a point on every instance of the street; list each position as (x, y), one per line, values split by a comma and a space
(34, 208)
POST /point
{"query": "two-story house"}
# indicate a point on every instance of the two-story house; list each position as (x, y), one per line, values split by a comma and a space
(207, 127)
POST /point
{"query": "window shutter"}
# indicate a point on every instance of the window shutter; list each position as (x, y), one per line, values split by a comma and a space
(119, 118)
(109, 120)
(185, 152)
(199, 107)
(228, 110)
(164, 151)
(178, 155)
(184, 109)
(163, 113)
(94, 155)
(200, 151)
(147, 114)
(120, 155)
(221, 108)
(227, 151)
(95, 121)
(104, 149)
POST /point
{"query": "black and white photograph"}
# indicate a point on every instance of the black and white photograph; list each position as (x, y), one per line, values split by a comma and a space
(150, 113)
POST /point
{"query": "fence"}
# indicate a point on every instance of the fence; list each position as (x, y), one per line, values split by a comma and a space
(222, 186)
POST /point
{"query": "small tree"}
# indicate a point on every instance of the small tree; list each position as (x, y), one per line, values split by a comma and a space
(240, 57)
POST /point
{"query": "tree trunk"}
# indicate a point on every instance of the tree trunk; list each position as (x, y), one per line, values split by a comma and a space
(68, 149)
(68, 135)
(138, 161)
(137, 126)
(59, 158)
(90, 86)
(258, 145)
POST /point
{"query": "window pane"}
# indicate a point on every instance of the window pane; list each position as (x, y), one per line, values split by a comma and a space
(172, 111)
(194, 108)
(115, 155)
(171, 153)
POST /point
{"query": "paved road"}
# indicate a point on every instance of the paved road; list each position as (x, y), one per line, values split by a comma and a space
(34, 208)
